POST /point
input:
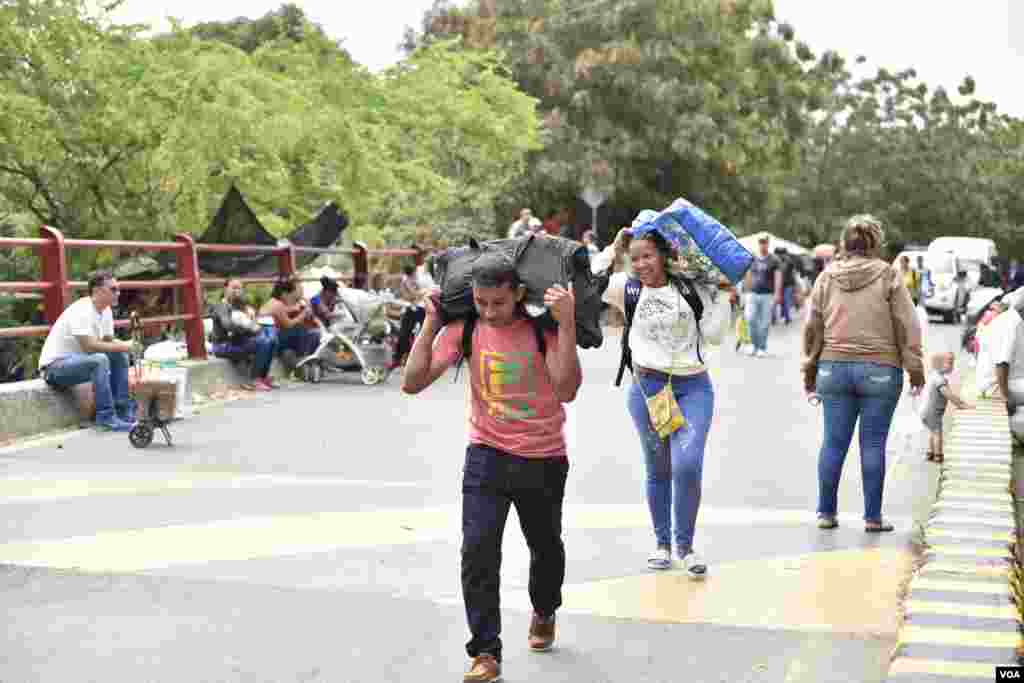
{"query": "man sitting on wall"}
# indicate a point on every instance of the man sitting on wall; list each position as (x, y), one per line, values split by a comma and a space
(236, 333)
(81, 348)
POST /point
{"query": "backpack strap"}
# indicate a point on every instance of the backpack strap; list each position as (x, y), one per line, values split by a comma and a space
(632, 297)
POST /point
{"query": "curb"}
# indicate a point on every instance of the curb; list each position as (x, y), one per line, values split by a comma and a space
(960, 612)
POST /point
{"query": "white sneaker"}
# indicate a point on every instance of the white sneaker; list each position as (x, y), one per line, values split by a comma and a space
(660, 559)
(762, 354)
(753, 352)
(695, 566)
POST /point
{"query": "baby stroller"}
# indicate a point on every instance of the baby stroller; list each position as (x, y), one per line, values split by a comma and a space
(155, 398)
(362, 338)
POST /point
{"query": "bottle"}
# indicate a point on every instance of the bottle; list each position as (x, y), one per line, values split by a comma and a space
(711, 237)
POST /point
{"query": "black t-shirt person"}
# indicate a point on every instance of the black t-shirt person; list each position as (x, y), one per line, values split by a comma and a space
(762, 274)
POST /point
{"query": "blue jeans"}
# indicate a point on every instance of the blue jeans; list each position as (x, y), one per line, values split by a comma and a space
(759, 319)
(674, 465)
(108, 373)
(300, 340)
(259, 346)
(492, 482)
(787, 303)
(852, 390)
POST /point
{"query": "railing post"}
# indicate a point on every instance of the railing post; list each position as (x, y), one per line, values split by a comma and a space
(361, 266)
(192, 296)
(419, 254)
(286, 259)
(55, 271)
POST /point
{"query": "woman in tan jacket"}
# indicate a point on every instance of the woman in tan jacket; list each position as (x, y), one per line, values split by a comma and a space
(861, 334)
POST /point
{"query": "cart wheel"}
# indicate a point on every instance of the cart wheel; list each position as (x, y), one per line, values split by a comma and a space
(141, 435)
(372, 376)
(316, 373)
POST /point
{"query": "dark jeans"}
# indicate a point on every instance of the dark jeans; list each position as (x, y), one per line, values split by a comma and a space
(491, 482)
(259, 346)
(413, 316)
(300, 340)
(108, 373)
(851, 391)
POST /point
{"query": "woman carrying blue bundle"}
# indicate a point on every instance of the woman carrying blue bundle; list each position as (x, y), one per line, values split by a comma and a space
(674, 309)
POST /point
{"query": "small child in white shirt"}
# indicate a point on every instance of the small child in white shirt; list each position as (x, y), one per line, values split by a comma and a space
(939, 396)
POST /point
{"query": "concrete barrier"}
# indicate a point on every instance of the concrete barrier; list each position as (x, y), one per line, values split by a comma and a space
(960, 619)
(31, 407)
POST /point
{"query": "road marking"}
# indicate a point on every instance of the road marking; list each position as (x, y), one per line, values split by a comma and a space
(952, 586)
(938, 667)
(955, 636)
(778, 593)
(290, 534)
(940, 532)
(43, 488)
(961, 610)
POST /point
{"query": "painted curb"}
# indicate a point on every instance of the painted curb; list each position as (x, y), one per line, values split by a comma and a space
(960, 613)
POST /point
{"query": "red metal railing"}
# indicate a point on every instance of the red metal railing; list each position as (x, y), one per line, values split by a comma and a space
(55, 286)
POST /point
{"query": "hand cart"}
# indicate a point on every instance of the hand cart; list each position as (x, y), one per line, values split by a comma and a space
(155, 398)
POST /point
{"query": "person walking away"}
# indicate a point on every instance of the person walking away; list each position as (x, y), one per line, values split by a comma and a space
(671, 315)
(911, 279)
(925, 286)
(940, 394)
(81, 347)
(520, 377)
(862, 332)
(788, 282)
(764, 282)
(236, 332)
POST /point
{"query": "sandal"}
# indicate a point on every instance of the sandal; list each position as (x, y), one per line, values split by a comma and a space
(878, 527)
(938, 457)
(827, 522)
(930, 456)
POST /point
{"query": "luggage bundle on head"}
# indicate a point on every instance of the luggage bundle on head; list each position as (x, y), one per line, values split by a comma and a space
(541, 262)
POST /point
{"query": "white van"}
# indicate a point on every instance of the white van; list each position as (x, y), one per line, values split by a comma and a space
(971, 252)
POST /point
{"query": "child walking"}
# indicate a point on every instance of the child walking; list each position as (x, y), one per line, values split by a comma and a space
(939, 396)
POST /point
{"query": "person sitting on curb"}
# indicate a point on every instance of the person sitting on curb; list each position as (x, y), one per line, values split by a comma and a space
(324, 303)
(297, 331)
(236, 332)
(520, 377)
(410, 291)
(81, 348)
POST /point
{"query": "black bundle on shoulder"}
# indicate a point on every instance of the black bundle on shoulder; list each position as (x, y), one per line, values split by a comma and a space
(541, 262)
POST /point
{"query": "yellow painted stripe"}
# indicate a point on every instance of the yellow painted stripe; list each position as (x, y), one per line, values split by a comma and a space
(910, 634)
(958, 533)
(926, 584)
(966, 486)
(963, 472)
(981, 507)
(1004, 497)
(907, 665)
(954, 609)
(971, 551)
(951, 517)
(965, 569)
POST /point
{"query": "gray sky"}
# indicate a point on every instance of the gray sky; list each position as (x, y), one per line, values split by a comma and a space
(943, 39)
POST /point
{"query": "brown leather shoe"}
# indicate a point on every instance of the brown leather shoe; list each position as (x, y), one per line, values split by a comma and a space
(542, 633)
(484, 669)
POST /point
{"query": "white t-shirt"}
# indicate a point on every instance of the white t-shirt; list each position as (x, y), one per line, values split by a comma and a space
(80, 319)
(1000, 341)
(663, 336)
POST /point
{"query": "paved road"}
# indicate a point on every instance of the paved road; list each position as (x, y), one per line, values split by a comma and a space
(313, 535)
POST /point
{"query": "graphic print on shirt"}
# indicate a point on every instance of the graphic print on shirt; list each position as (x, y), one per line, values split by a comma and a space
(508, 384)
(664, 324)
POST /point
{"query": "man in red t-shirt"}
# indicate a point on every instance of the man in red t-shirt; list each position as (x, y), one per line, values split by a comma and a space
(516, 453)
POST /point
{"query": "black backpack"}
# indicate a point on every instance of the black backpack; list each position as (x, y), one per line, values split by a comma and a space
(469, 327)
(632, 297)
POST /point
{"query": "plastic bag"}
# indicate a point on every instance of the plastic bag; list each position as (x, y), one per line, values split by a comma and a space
(169, 350)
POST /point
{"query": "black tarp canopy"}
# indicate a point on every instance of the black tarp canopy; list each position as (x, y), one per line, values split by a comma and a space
(236, 223)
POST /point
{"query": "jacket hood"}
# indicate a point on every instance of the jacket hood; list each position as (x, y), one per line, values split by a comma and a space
(853, 273)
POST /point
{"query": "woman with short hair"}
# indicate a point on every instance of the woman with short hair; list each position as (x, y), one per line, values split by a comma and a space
(861, 334)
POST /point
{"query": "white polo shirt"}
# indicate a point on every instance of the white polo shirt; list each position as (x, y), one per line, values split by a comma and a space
(1000, 342)
(80, 319)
